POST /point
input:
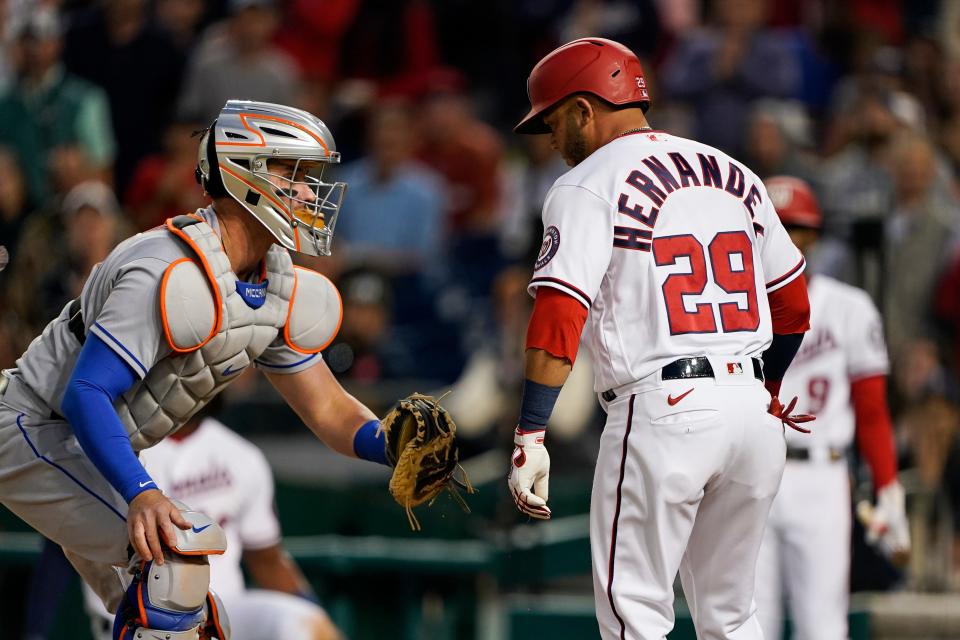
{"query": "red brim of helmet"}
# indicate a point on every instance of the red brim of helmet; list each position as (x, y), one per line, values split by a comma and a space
(532, 124)
(804, 221)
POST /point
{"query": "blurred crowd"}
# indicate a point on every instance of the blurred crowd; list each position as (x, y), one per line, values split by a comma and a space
(100, 102)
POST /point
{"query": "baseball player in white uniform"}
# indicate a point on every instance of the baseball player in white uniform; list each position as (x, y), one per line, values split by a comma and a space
(839, 375)
(671, 254)
(163, 324)
(218, 472)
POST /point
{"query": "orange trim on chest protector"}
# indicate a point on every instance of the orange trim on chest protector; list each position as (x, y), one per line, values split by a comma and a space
(163, 312)
(293, 294)
(212, 281)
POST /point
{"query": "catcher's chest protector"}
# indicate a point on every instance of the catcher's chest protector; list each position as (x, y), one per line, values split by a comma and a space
(214, 333)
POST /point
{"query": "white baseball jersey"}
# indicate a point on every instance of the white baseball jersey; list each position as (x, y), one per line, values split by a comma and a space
(670, 244)
(845, 342)
(217, 472)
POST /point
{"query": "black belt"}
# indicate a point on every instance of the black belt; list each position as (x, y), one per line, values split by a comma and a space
(75, 323)
(690, 368)
(803, 454)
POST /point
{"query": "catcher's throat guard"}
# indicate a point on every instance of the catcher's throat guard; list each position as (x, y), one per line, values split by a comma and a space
(420, 444)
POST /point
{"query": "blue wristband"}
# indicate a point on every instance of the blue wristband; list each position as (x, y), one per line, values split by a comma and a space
(537, 405)
(368, 444)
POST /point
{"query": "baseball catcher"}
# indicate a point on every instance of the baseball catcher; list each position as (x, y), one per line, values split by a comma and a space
(420, 443)
(166, 322)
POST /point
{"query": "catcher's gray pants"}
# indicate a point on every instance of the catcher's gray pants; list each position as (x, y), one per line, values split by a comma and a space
(686, 474)
(48, 481)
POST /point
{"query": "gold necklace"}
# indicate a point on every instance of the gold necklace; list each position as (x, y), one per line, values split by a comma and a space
(629, 131)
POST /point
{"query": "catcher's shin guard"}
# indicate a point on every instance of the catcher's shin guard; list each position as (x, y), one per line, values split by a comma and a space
(217, 625)
(171, 601)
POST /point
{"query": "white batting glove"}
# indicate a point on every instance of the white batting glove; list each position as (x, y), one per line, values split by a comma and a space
(530, 469)
(886, 523)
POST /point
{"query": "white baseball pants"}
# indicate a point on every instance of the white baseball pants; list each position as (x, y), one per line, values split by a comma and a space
(684, 485)
(805, 556)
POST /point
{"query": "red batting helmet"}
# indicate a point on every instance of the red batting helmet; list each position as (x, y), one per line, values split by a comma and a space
(605, 68)
(794, 201)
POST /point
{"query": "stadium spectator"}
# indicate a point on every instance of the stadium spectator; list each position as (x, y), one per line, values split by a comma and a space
(779, 139)
(720, 69)
(527, 178)
(116, 46)
(917, 237)
(164, 184)
(6, 66)
(931, 442)
(393, 219)
(387, 40)
(59, 250)
(468, 154)
(636, 23)
(49, 107)
(183, 21)
(237, 58)
(857, 192)
(313, 38)
(366, 351)
(13, 199)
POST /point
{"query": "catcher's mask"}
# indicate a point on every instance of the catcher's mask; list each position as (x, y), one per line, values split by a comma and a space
(270, 159)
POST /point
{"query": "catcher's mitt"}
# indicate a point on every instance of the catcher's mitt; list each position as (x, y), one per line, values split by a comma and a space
(422, 449)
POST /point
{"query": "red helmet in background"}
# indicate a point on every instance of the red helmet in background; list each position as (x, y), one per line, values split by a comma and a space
(794, 201)
(605, 68)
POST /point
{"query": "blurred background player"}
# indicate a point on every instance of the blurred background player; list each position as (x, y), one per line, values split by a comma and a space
(839, 375)
(226, 476)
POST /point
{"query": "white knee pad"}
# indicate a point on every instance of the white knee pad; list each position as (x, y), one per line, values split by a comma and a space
(179, 584)
(172, 599)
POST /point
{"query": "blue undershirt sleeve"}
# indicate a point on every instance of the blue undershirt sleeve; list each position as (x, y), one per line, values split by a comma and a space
(98, 379)
(777, 358)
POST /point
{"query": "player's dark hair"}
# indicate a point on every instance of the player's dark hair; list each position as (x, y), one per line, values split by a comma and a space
(609, 106)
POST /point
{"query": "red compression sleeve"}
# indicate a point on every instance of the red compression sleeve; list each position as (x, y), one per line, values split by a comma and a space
(773, 386)
(556, 323)
(790, 307)
(874, 431)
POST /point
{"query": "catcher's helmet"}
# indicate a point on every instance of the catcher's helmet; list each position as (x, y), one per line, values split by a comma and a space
(794, 201)
(605, 68)
(232, 161)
